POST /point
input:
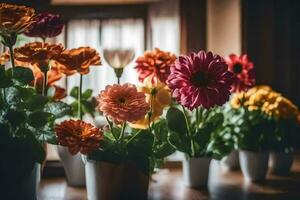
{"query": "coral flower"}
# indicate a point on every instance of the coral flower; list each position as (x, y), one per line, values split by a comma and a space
(200, 79)
(78, 60)
(78, 136)
(158, 96)
(155, 64)
(38, 54)
(14, 20)
(243, 70)
(46, 25)
(123, 103)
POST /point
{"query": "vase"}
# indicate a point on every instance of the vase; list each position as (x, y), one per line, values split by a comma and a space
(254, 165)
(231, 161)
(25, 188)
(74, 167)
(280, 163)
(108, 181)
(196, 171)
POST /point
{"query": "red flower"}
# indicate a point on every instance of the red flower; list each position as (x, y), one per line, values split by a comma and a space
(155, 64)
(46, 25)
(243, 70)
(200, 79)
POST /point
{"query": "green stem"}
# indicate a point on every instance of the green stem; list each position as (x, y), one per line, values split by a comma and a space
(12, 59)
(79, 98)
(110, 124)
(136, 134)
(118, 81)
(122, 132)
(189, 132)
(45, 83)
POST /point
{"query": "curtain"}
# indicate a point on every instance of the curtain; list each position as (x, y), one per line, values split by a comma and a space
(123, 33)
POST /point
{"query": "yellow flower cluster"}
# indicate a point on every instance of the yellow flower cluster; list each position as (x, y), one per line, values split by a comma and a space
(158, 96)
(268, 101)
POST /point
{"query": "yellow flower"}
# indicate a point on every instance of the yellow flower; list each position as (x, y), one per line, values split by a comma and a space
(158, 96)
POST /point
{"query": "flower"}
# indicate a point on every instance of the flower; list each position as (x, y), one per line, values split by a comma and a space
(123, 103)
(14, 20)
(264, 99)
(59, 93)
(78, 136)
(38, 54)
(118, 59)
(200, 79)
(158, 96)
(46, 25)
(78, 60)
(155, 64)
(243, 70)
(4, 58)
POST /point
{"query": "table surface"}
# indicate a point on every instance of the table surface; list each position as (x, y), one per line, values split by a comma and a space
(167, 184)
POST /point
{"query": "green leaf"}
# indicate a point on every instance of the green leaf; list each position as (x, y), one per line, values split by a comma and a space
(164, 150)
(88, 107)
(74, 92)
(12, 96)
(58, 109)
(87, 94)
(5, 80)
(14, 117)
(141, 145)
(176, 121)
(22, 75)
(39, 119)
(37, 102)
(179, 143)
(46, 136)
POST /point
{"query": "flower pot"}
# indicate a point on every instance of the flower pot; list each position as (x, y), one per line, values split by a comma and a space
(254, 165)
(280, 163)
(74, 167)
(107, 181)
(196, 171)
(231, 162)
(25, 187)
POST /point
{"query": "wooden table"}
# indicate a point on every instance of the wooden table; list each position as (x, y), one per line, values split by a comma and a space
(223, 185)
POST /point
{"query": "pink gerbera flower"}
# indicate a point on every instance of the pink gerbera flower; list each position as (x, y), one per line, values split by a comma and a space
(200, 79)
(243, 70)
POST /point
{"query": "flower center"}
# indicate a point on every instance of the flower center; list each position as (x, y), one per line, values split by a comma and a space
(122, 100)
(200, 79)
(237, 68)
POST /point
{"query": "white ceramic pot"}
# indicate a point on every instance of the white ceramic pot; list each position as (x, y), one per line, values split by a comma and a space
(254, 165)
(231, 161)
(107, 181)
(196, 171)
(74, 167)
(280, 163)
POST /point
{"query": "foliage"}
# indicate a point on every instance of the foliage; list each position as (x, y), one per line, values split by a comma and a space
(27, 118)
(198, 134)
(87, 102)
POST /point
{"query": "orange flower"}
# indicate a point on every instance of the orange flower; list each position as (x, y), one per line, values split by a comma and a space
(4, 58)
(123, 103)
(15, 19)
(59, 93)
(155, 64)
(38, 54)
(78, 136)
(78, 60)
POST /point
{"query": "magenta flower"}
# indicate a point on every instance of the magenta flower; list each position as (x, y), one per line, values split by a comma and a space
(200, 79)
(47, 25)
(243, 70)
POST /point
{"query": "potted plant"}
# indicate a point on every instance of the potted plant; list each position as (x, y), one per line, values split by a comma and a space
(282, 149)
(27, 112)
(120, 157)
(200, 82)
(243, 70)
(256, 130)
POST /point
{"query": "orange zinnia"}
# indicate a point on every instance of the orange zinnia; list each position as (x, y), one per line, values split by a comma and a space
(15, 19)
(38, 54)
(123, 103)
(78, 60)
(155, 64)
(78, 136)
